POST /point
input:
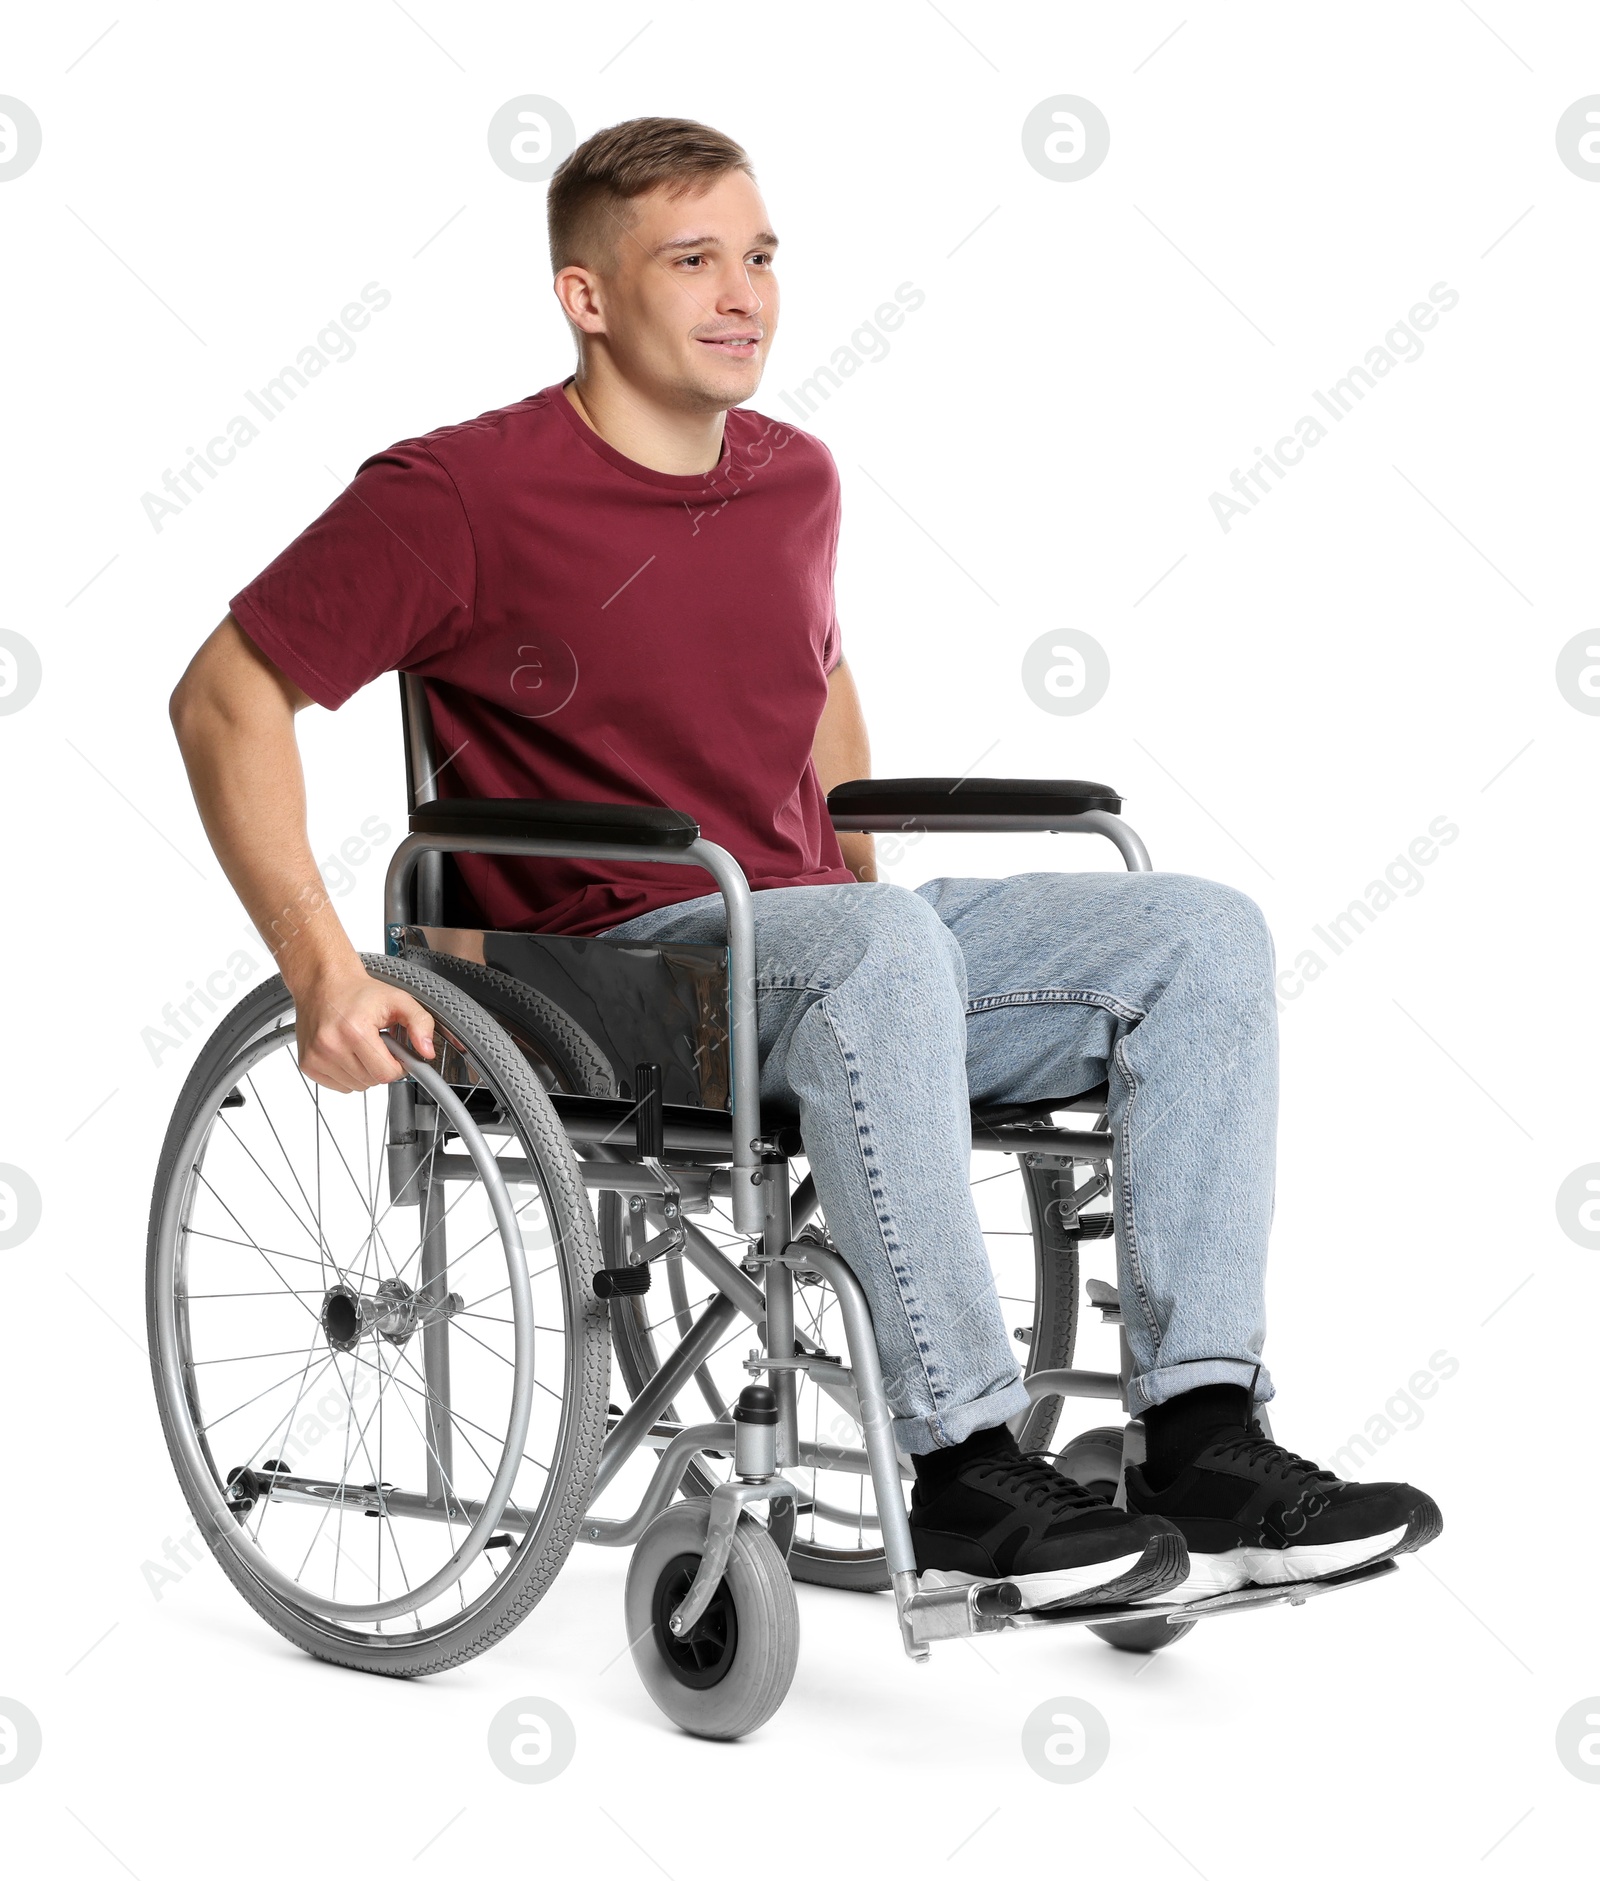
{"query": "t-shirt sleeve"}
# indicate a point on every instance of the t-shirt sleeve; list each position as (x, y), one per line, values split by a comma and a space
(832, 652)
(385, 578)
(832, 648)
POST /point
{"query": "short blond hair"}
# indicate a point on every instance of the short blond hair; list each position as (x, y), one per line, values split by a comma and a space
(587, 203)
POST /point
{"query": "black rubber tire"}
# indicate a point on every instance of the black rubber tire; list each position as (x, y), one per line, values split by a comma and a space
(1055, 1310)
(1093, 1459)
(534, 1565)
(1143, 1635)
(561, 1052)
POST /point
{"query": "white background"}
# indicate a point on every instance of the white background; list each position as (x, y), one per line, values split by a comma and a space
(1373, 647)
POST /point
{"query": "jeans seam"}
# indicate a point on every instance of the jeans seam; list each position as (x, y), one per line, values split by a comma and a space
(890, 1246)
(1055, 995)
(1125, 1195)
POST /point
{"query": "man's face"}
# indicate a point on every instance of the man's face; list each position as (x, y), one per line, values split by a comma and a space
(691, 306)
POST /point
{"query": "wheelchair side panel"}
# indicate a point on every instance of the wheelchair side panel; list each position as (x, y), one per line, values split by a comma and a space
(639, 1002)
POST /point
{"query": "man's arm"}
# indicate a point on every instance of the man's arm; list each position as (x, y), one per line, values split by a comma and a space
(233, 712)
(841, 753)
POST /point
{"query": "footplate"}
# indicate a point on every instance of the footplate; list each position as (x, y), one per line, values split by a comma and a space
(996, 1606)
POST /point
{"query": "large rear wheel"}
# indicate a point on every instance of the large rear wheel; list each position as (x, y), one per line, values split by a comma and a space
(380, 1366)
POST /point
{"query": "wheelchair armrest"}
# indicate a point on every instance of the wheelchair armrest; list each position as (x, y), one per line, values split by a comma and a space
(932, 803)
(648, 824)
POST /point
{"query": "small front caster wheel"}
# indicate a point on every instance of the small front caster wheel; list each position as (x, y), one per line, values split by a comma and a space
(729, 1673)
(1094, 1460)
(1142, 1635)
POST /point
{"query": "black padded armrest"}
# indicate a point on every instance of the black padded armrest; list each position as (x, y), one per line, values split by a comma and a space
(925, 802)
(645, 823)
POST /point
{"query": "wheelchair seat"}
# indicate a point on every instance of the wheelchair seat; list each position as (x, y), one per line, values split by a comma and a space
(643, 1002)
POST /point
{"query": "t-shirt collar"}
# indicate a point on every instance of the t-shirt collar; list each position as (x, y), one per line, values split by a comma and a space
(698, 484)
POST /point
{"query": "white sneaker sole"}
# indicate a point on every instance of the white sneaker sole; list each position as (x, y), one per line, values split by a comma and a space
(1072, 1584)
(1043, 1590)
(1277, 1567)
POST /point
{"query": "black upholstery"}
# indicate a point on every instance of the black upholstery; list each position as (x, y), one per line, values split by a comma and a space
(986, 1118)
(922, 801)
(691, 1131)
(643, 823)
(1011, 1115)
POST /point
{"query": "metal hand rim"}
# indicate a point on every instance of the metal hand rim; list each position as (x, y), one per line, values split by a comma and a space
(522, 1386)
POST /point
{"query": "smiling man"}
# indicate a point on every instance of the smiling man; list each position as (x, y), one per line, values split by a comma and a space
(620, 590)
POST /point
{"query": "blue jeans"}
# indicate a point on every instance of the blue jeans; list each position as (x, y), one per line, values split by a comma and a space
(886, 1012)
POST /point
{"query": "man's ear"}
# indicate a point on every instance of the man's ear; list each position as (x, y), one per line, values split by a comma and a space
(579, 293)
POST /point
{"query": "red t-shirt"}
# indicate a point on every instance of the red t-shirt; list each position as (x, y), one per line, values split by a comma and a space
(587, 629)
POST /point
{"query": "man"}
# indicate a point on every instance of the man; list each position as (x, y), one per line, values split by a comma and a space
(621, 590)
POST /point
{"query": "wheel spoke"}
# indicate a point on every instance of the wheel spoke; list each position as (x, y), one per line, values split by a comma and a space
(366, 1196)
(259, 1250)
(266, 1118)
(211, 1424)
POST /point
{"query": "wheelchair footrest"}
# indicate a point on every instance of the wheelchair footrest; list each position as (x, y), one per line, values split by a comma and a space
(996, 1606)
(1241, 1600)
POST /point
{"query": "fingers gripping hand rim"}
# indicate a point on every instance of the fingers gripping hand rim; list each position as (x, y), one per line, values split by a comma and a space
(341, 1034)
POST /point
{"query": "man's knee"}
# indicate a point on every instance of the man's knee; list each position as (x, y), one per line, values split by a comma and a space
(1221, 920)
(894, 928)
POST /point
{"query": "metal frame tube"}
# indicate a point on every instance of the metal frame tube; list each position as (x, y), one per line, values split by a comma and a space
(434, 1290)
(1067, 1383)
(670, 1467)
(625, 1178)
(779, 1287)
(1088, 823)
(876, 1426)
(605, 1531)
(1078, 1146)
(744, 1058)
(683, 1361)
(702, 1252)
(422, 775)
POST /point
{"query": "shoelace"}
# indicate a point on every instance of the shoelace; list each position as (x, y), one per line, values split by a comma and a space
(1255, 1447)
(1036, 1480)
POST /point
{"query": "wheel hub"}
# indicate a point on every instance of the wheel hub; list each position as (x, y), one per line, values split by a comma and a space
(701, 1656)
(392, 1310)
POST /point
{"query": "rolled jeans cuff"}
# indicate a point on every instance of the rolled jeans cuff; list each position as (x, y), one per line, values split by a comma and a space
(1153, 1388)
(939, 1430)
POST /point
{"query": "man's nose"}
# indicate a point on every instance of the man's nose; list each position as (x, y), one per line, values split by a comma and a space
(737, 292)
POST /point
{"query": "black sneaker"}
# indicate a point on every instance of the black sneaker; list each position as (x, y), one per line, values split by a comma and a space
(1254, 1513)
(1012, 1517)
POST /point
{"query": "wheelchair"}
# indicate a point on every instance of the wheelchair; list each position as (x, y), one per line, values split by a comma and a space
(388, 1330)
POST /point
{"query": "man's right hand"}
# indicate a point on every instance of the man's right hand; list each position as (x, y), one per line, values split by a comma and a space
(338, 1016)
